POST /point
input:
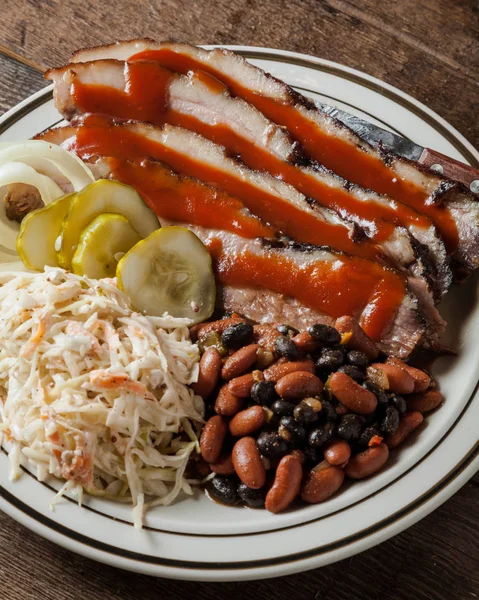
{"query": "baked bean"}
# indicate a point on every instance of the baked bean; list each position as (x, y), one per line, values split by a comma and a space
(247, 421)
(287, 483)
(241, 386)
(304, 342)
(239, 362)
(298, 385)
(321, 483)
(399, 380)
(212, 438)
(421, 379)
(351, 394)
(358, 339)
(227, 404)
(224, 465)
(337, 452)
(248, 464)
(426, 401)
(368, 462)
(209, 373)
(408, 423)
(280, 369)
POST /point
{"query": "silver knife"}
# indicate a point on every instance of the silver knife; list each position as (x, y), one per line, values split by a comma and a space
(376, 136)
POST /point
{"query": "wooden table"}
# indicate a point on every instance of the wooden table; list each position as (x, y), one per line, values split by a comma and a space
(427, 48)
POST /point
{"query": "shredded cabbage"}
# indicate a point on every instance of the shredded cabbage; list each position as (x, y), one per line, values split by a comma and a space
(93, 393)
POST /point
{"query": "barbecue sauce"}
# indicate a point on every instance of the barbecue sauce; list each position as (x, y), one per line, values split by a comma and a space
(186, 200)
(342, 157)
(116, 141)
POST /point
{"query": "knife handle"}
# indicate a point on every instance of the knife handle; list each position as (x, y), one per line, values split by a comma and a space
(443, 165)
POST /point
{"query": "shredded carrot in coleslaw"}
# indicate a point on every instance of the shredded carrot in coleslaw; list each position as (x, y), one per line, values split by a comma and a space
(94, 393)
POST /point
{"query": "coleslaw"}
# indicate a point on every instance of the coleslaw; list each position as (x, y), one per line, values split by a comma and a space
(94, 393)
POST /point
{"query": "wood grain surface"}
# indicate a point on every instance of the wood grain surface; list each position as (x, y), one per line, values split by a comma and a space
(429, 49)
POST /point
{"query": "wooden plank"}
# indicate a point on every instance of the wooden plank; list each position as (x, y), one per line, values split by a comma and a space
(17, 82)
(437, 558)
(425, 48)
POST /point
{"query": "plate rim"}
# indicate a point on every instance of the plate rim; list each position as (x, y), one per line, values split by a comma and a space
(455, 478)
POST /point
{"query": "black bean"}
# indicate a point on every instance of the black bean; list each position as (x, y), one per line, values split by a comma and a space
(381, 395)
(322, 434)
(223, 489)
(329, 358)
(253, 498)
(305, 412)
(292, 431)
(312, 455)
(237, 335)
(287, 330)
(282, 408)
(263, 392)
(328, 410)
(357, 358)
(366, 436)
(349, 427)
(284, 346)
(399, 403)
(324, 334)
(390, 421)
(271, 445)
(354, 372)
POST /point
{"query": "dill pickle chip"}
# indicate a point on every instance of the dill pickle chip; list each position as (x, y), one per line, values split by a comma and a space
(170, 271)
(103, 196)
(38, 235)
(102, 244)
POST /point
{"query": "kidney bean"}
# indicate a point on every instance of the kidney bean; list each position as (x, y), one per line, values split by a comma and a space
(298, 385)
(399, 380)
(304, 342)
(248, 464)
(241, 386)
(425, 401)
(408, 423)
(209, 373)
(247, 421)
(368, 462)
(212, 438)
(227, 404)
(218, 326)
(337, 452)
(287, 483)
(421, 379)
(239, 362)
(280, 369)
(358, 340)
(194, 329)
(224, 465)
(351, 394)
(321, 483)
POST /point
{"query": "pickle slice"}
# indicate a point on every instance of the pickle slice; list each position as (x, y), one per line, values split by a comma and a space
(169, 272)
(38, 234)
(103, 196)
(102, 244)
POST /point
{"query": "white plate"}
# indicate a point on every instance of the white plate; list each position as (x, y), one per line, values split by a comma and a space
(197, 539)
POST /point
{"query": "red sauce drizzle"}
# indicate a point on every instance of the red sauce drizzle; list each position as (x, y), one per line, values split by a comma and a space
(347, 160)
(300, 225)
(186, 200)
(334, 288)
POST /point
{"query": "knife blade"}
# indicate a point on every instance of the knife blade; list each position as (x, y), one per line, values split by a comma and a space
(376, 136)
